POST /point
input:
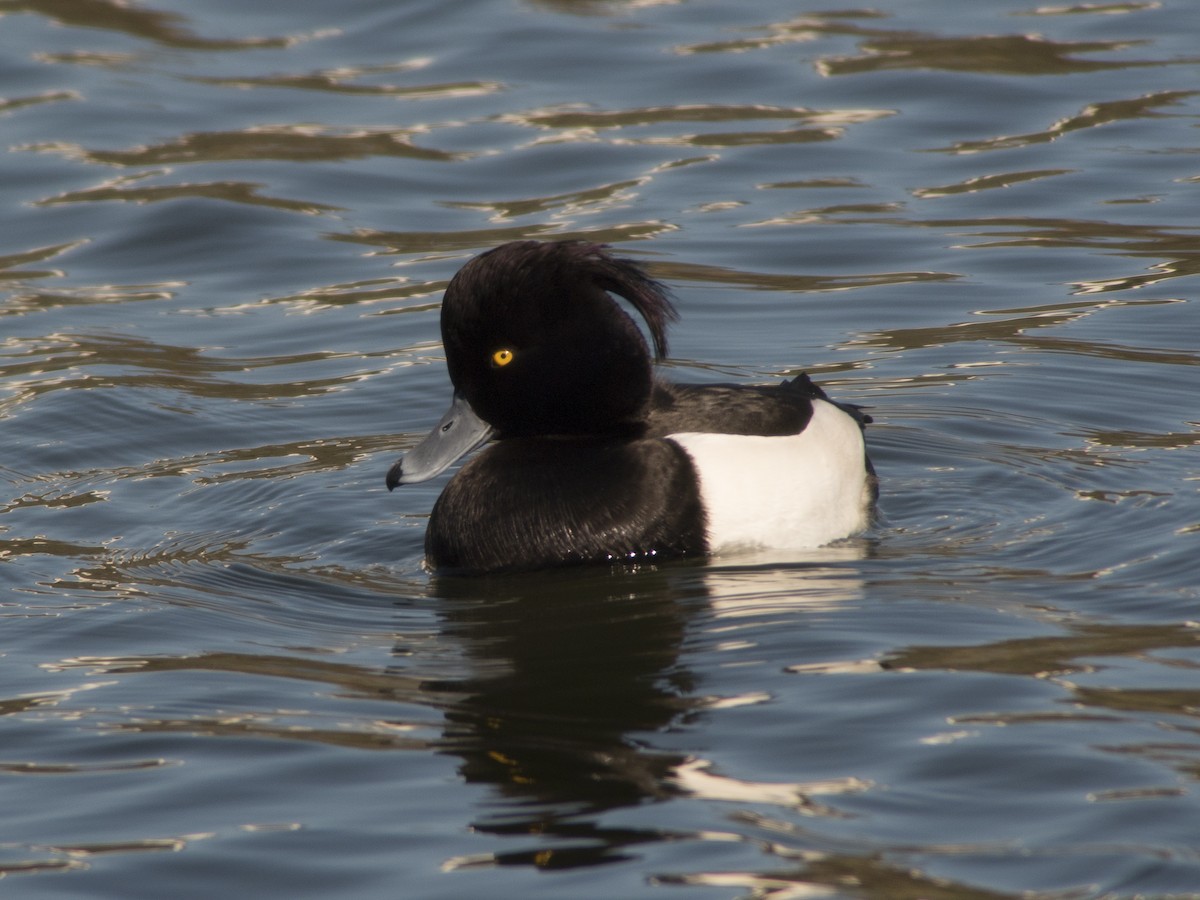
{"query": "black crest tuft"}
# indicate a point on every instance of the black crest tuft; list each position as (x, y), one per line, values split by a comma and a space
(627, 279)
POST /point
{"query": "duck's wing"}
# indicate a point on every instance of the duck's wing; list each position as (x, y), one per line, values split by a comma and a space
(770, 410)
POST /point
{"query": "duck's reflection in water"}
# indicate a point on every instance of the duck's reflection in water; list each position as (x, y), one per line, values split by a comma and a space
(572, 677)
(567, 670)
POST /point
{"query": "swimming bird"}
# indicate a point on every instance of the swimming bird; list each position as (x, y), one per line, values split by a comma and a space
(592, 458)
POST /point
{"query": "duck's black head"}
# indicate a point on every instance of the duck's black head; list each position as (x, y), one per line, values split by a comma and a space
(537, 346)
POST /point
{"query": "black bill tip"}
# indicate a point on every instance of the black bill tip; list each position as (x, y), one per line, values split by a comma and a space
(395, 474)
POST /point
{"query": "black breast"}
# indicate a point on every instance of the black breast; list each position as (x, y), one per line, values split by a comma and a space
(530, 503)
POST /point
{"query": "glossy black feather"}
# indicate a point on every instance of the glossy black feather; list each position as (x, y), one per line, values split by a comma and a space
(727, 409)
(531, 503)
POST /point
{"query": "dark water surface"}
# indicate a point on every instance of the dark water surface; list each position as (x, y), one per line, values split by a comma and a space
(226, 228)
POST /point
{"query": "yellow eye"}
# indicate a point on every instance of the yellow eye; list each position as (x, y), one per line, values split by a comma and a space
(502, 357)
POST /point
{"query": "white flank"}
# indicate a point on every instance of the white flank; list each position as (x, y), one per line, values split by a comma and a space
(793, 491)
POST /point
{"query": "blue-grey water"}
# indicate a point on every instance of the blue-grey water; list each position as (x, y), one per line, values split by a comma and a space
(226, 229)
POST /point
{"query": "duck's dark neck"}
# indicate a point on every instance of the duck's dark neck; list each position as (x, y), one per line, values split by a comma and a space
(618, 431)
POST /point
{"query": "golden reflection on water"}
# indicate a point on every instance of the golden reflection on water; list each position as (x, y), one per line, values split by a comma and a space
(886, 49)
(1012, 54)
(10, 262)
(297, 143)
(1091, 9)
(11, 104)
(571, 124)
(342, 81)
(126, 190)
(988, 182)
(1095, 115)
(591, 200)
(572, 119)
(1020, 327)
(1053, 655)
(682, 271)
(1176, 249)
(159, 27)
(427, 242)
(106, 361)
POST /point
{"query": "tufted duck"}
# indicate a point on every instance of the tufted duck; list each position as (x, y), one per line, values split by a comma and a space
(594, 459)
